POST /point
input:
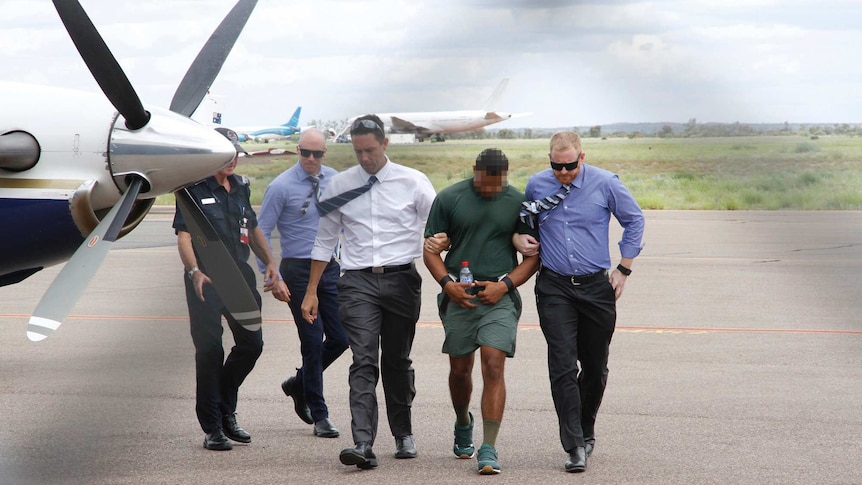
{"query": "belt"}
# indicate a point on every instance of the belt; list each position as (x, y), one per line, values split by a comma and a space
(576, 280)
(303, 260)
(385, 269)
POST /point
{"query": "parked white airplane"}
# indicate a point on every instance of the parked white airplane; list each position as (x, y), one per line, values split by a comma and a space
(437, 123)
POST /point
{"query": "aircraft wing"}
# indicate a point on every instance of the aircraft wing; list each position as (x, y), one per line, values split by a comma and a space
(400, 125)
(266, 155)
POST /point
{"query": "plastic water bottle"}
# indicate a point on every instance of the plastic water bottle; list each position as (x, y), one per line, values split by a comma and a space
(465, 276)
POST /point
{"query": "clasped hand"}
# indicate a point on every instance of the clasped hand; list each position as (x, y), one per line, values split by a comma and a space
(491, 292)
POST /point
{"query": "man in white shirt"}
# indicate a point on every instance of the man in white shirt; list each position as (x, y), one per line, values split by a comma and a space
(381, 207)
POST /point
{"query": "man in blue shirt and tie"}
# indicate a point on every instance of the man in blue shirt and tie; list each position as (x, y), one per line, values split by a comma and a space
(290, 205)
(575, 296)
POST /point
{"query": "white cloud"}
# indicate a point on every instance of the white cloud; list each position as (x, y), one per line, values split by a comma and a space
(570, 63)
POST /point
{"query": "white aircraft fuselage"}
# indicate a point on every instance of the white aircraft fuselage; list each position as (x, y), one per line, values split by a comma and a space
(64, 158)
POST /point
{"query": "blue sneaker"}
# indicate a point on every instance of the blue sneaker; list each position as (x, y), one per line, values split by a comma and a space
(463, 447)
(488, 460)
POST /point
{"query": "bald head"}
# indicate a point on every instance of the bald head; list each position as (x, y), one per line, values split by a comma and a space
(312, 147)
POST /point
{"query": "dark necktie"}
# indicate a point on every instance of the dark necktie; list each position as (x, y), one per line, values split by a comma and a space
(315, 184)
(326, 206)
(530, 209)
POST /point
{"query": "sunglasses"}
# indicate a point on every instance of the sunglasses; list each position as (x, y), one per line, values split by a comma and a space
(367, 124)
(309, 153)
(568, 166)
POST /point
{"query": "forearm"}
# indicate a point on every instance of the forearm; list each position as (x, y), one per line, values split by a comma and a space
(260, 247)
(524, 271)
(435, 265)
(186, 250)
(314, 274)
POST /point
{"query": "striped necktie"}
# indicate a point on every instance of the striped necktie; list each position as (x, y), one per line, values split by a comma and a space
(315, 184)
(530, 209)
(326, 206)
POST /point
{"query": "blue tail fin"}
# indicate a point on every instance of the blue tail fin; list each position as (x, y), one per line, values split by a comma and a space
(294, 120)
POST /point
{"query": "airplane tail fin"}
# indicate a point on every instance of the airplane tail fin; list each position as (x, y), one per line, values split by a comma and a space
(294, 120)
(491, 103)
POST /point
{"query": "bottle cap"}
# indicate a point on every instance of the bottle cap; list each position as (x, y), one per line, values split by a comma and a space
(464, 263)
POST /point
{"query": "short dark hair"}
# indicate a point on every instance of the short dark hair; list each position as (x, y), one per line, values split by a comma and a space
(493, 161)
(361, 126)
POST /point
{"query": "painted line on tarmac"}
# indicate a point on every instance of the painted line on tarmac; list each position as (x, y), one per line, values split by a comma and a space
(521, 326)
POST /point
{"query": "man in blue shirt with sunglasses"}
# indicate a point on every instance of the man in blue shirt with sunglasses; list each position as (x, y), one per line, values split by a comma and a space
(575, 296)
(290, 206)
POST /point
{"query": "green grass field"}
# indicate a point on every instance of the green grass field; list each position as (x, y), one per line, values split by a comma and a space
(765, 172)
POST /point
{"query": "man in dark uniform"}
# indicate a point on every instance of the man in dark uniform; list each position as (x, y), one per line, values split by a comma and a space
(225, 201)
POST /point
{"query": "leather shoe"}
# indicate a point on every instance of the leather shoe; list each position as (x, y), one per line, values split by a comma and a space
(360, 455)
(405, 447)
(290, 389)
(590, 445)
(233, 431)
(325, 429)
(217, 441)
(577, 461)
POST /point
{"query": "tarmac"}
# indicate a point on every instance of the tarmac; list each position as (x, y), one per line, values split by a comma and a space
(736, 359)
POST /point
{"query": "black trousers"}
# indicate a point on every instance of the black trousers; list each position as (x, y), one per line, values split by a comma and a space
(578, 322)
(218, 380)
(380, 311)
(317, 353)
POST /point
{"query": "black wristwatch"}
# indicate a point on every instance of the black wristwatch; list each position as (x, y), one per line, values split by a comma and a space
(622, 269)
(445, 280)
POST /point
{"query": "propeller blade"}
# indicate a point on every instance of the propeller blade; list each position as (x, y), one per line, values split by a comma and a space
(67, 287)
(102, 64)
(226, 277)
(210, 59)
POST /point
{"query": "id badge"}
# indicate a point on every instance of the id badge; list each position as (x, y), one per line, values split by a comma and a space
(243, 230)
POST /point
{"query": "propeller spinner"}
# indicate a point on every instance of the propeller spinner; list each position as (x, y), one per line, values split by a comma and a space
(152, 152)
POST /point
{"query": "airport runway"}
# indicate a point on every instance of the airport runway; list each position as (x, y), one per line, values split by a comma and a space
(736, 360)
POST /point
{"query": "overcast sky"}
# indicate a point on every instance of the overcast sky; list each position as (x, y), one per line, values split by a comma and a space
(570, 63)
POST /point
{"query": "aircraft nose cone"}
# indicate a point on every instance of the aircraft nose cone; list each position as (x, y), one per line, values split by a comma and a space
(170, 152)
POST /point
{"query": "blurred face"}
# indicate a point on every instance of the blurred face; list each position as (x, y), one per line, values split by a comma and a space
(489, 183)
(370, 153)
(311, 148)
(228, 170)
(565, 157)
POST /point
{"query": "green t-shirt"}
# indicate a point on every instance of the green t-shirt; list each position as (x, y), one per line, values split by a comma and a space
(480, 229)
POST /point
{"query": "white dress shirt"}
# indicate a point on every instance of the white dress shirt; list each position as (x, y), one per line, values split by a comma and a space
(382, 227)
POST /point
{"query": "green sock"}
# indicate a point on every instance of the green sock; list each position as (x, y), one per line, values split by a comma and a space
(462, 416)
(491, 429)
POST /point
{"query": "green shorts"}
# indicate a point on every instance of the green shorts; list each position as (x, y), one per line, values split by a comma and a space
(486, 325)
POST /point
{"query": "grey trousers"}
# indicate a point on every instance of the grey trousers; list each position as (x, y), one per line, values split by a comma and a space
(380, 311)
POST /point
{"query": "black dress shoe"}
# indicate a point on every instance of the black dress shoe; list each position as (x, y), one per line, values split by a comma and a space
(577, 461)
(590, 445)
(325, 429)
(233, 431)
(360, 455)
(405, 447)
(217, 441)
(290, 389)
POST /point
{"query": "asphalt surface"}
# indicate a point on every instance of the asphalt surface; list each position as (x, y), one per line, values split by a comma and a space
(736, 360)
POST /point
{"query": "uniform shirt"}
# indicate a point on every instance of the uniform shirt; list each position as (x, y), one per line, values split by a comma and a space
(480, 229)
(224, 210)
(574, 235)
(282, 209)
(382, 227)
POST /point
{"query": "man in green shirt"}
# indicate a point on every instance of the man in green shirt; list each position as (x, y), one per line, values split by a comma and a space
(479, 215)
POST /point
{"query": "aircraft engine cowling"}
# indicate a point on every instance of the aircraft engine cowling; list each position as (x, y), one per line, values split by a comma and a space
(167, 152)
(19, 151)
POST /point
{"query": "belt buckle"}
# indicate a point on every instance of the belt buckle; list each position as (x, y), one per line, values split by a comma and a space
(378, 269)
(575, 283)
